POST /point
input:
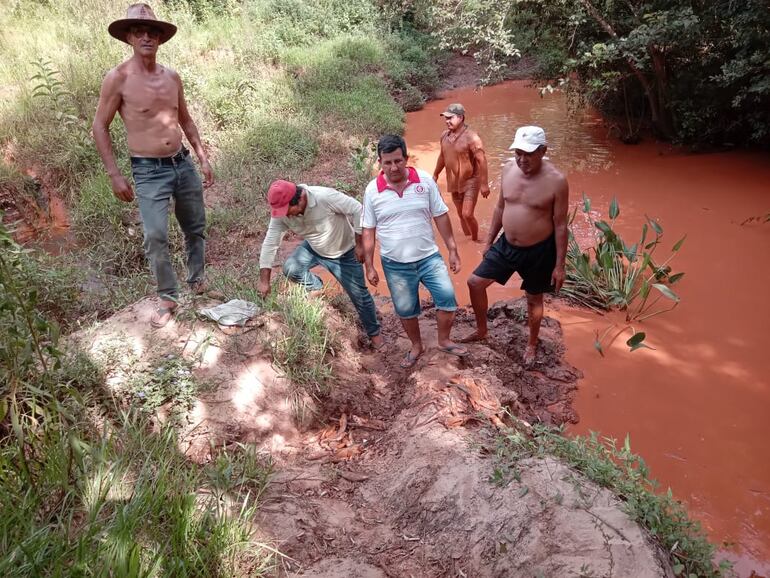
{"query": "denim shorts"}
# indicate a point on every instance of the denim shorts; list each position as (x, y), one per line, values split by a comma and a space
(404, 281)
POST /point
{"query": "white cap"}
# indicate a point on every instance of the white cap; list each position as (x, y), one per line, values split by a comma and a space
(528, 138)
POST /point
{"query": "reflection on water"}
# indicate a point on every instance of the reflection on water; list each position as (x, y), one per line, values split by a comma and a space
(696, 407)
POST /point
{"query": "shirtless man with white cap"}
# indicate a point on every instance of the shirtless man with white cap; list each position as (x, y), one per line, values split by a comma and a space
(532, 213)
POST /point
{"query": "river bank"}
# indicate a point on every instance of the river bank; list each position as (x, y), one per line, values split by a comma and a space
(693, 406)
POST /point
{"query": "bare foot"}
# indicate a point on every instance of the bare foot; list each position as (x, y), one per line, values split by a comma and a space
(163, 314)
(475, 336)
(529, 355)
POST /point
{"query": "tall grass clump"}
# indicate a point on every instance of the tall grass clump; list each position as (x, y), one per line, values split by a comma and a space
(87, 490)
(614, 275)
(626, 475)
(274, 86)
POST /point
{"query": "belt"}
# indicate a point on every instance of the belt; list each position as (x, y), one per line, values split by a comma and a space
(162, 161)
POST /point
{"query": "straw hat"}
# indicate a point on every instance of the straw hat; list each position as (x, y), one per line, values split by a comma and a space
(140, 14)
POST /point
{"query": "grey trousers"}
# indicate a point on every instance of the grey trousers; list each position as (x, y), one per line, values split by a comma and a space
(156, 184)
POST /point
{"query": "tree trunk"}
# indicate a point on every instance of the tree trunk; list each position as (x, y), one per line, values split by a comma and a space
(652, 90)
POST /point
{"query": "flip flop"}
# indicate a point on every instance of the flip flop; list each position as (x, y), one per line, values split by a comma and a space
(409, 360)
(161, 316)
(455, 349)
(381, 346)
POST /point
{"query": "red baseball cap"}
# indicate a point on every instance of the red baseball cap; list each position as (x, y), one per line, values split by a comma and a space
(278, 195)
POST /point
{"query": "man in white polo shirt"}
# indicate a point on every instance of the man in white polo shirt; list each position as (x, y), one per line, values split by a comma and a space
(330, 224)
(398, 208)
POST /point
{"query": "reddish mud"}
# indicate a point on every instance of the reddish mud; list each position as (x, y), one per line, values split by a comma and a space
(696, 407)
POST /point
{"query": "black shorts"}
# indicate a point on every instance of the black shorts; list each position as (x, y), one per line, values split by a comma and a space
(535, 264)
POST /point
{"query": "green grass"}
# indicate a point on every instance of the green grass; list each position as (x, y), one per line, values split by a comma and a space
(626, 475)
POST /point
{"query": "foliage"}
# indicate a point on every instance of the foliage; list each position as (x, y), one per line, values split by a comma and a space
(478, 28)
(626, 475)
(112, 499)
(615, 275)
(696, 71)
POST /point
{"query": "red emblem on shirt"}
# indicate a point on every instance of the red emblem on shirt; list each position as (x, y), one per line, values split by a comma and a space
(419, 189)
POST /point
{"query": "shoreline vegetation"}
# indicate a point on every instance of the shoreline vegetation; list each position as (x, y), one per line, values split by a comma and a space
(90, 485)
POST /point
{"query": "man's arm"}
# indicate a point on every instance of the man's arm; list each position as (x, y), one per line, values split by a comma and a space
(560, 210)
(480, 158)
(267, 254)
(444, 226)
(497, 219)
(439, 165)
(109, 103)
(191, 132)
(367, 240)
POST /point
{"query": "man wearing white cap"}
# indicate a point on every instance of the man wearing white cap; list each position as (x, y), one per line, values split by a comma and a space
(150, 100)
(532, 213)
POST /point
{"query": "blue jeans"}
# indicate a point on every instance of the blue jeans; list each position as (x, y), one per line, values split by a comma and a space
(155, 186)
(346, 269)
(404, 283)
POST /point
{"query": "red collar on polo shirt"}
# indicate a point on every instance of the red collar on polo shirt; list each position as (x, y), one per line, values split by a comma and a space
(382, 183)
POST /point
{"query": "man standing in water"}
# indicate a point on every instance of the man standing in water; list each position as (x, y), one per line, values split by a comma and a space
(532, 212)
(462, 154)
(399, 206)
(150, 100)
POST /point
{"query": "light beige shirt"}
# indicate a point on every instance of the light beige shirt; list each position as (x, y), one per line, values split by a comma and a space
(329, 225)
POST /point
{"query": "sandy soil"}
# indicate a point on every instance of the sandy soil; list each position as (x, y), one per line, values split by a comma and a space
(392, 475)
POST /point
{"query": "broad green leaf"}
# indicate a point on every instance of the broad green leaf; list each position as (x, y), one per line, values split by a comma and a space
(649, 246)
(640, 346)
(614, 209)
(644, 234)
(675, 277)
(645, 291)
(586, 204)
(666, 291)
(630, 252)
(636, 338)
(679, 243)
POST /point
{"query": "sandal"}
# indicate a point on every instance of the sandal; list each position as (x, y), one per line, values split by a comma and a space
(409, 360)
(455, 349)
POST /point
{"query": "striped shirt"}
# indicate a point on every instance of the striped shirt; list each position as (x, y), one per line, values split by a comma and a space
(404, 223)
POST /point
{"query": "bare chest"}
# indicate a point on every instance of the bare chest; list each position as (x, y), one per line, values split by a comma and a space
(534, 195)
(147, 97)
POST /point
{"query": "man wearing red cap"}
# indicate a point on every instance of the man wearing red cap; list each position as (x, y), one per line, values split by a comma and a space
(330, 224)
(150, 100)
(462, 155)
(532, 213)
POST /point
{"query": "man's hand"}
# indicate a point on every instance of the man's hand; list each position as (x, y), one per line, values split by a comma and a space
(454, 261)
(372, 276)
(208, 174)
(263, 288)
(122, 189)
(484, 190)
(359, 252)
(557, 277)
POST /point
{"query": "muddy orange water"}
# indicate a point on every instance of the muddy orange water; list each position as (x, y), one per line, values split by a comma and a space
(698, 406)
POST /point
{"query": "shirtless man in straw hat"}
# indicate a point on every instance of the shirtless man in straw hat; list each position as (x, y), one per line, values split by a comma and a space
(462, 155)
(150, 100)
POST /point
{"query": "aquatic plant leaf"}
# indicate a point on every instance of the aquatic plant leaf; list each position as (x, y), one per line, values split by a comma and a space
(645, 229)
(614, 208)
(655, 226)
(636, 339)
(666, 291)
(675, 277)
(604, 227)
(679, 243)
(645, 289)
(586, 204)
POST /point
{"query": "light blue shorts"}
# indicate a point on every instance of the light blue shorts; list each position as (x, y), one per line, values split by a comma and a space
(404, 282)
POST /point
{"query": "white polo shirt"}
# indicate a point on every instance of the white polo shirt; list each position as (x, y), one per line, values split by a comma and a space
(404, 222)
